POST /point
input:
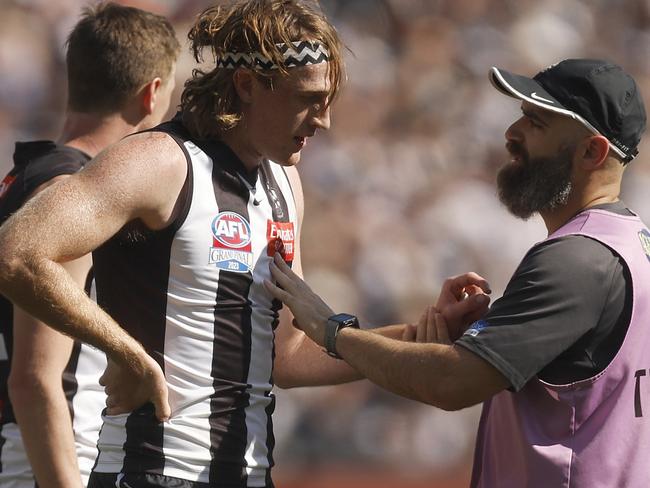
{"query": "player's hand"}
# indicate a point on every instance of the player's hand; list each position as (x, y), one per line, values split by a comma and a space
(432, 327)
(309, 310)
(129, 388)
(463, 299)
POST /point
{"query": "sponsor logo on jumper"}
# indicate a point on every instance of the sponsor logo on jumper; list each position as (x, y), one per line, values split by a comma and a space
(476, 328)
(644, 237)
(281, 238)
(541, 99)
(5, 184)
(231, 241)
(275, 201)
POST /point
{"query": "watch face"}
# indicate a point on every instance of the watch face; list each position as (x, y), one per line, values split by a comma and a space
(345, 320)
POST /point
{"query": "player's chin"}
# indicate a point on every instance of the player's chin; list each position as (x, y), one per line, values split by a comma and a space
(289, 160)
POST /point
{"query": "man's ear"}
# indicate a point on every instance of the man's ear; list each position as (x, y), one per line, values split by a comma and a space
(149, 95)
(243, 80)
(593, 152)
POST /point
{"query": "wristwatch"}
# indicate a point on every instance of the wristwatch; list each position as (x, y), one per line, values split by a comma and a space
(334, 324)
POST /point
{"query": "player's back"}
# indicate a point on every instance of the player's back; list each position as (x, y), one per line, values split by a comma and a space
(35, 165)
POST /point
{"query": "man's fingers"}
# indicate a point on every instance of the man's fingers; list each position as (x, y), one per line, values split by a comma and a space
(409, 333)
(279, 276)
(423, 318)
(476, 304)
(276, 291)
(472, 290)
(283, 271)
(421, 332)
(442, 331)
(471, 279)
(160, 403)
(454, 287)
(282, 265)
(431, 326)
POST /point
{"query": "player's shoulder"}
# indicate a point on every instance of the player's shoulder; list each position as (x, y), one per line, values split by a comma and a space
(151, 149)
(153, 140)
(49, 157)
(573, 255)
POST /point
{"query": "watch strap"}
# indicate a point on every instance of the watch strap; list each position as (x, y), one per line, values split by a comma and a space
(334, 324)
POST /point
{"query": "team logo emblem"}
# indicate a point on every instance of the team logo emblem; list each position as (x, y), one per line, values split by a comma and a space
(5, 184)
(476, 328)
(231, 249)
(644, 237)
(281, 238)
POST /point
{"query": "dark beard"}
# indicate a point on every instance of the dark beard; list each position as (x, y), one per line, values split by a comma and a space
(537, 184)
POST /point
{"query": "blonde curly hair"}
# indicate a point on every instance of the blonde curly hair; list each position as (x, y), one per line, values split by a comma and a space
(209, 102)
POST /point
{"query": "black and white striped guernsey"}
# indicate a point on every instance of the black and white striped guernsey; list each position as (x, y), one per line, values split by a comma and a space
(193, 295)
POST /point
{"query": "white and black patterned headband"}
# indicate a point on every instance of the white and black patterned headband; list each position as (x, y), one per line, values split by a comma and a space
(296, 54)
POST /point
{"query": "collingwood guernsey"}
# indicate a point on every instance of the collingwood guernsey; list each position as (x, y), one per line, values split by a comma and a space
(193, 295)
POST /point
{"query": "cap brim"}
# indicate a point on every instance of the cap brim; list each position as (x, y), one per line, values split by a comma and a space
(527, 89)
(524, 88)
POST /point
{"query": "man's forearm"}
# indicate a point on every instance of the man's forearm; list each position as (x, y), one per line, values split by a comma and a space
(43, 417)
(415, 371)
(446, 376)
(307, 364)
(46, 290)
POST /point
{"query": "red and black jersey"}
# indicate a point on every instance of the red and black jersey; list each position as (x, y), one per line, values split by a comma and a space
(36, 163)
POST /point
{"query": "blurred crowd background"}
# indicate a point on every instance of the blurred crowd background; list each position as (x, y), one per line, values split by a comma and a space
(399, 193)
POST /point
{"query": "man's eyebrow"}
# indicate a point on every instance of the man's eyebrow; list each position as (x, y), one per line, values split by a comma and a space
(313, 92)
(535, 116)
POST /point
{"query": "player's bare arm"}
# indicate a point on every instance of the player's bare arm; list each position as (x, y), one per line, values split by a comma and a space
(40, 355)
(139, 178)
(299, 361)
(460, 377)
(303, 362)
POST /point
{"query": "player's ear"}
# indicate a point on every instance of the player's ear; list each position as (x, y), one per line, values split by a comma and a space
(592, 151)
(149, 95)
(244, 80)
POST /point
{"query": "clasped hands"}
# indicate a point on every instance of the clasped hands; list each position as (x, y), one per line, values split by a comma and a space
(463, 299)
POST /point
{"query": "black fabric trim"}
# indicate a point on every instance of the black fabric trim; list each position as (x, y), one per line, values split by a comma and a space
(232, 340)
(138, 258)
(174, 129)
(2, 443)
(69, 377)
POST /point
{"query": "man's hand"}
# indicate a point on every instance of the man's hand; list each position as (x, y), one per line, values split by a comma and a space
(129, 388)
(463, 300)
(432, 327)
(309, 310)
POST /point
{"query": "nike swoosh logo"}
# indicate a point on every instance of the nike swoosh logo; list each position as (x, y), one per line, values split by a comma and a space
(541, 99)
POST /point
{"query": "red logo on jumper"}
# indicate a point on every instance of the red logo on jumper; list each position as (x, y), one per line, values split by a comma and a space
(231, 231)
(5, 184)
(281, 239)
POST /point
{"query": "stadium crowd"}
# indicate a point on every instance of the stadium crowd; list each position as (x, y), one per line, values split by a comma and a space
(399, 193)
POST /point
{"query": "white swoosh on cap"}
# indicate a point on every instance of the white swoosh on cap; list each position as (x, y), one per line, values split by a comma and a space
(541, 99)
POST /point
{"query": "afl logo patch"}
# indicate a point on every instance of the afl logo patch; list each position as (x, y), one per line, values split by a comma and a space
(231, 243)
(232, 230)
(644, 237)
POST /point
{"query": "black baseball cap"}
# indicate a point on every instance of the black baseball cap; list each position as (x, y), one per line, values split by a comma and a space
(597, 93)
